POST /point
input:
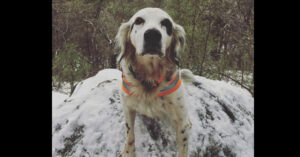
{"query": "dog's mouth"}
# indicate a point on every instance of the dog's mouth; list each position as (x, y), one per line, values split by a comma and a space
(152, 49)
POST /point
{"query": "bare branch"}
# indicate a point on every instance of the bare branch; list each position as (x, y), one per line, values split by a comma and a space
(234, 80)
(111, 42)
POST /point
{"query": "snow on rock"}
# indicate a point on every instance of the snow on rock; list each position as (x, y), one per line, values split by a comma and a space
(90, 123)
(57, 98)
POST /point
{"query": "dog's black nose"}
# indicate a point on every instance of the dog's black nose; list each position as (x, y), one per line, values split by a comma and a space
(152, 36)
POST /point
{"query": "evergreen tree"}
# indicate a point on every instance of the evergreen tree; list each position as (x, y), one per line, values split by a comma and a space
(70, 65)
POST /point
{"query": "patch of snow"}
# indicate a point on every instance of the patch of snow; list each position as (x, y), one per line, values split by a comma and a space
(58, 98)
(91, 122)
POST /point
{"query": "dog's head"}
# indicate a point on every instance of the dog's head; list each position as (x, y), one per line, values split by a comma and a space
(151, 31)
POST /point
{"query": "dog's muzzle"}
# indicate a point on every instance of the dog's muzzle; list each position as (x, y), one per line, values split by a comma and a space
(152, 42)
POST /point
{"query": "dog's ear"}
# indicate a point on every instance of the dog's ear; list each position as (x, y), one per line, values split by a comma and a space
(178, 43)
(121, 40)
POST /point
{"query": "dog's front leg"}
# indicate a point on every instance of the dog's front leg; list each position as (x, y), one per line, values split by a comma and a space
(129, 149)
(181, 123)
(182, 136)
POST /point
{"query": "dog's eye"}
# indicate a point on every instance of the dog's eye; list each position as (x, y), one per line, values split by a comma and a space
(139, 21)
(167, 23)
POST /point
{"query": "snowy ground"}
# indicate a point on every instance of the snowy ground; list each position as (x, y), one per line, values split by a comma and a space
(90, 123)
(58, 98)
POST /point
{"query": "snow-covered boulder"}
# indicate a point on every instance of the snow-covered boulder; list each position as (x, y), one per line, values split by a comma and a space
(57, 98)
(90, 123)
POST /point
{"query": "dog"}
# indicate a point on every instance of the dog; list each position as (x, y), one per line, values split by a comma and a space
(150, 44)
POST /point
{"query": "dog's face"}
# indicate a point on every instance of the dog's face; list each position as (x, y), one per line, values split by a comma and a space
(151, 31)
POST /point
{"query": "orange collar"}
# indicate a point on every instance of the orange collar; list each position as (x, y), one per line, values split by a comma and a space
(174, 84)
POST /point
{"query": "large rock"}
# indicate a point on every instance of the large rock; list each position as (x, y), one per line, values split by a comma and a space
(90, 123)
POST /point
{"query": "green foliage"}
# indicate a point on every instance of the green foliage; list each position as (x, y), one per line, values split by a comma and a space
(70, 65)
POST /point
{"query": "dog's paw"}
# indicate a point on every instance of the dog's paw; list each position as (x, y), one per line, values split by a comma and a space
(127, 153)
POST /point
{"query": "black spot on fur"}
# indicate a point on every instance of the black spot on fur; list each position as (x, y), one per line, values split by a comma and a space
(131, 28)
(184, 139)
(167, 23)
(128, 128)
(182, 131)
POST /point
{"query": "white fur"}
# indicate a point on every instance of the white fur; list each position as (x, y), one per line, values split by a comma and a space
(152, 17)
(153, 21)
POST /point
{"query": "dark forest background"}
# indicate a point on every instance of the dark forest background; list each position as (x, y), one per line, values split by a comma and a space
(219, 36)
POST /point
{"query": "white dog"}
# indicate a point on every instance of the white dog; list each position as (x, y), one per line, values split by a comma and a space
(150, 44)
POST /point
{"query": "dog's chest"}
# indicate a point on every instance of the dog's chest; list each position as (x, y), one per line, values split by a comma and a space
(151, 107)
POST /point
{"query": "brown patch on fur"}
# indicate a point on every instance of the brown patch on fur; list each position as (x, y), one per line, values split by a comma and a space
(169, 74)
(129, 52)
(151, 64)
(130, 143)
(163, 105)
(170, 52)
(149, 68)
